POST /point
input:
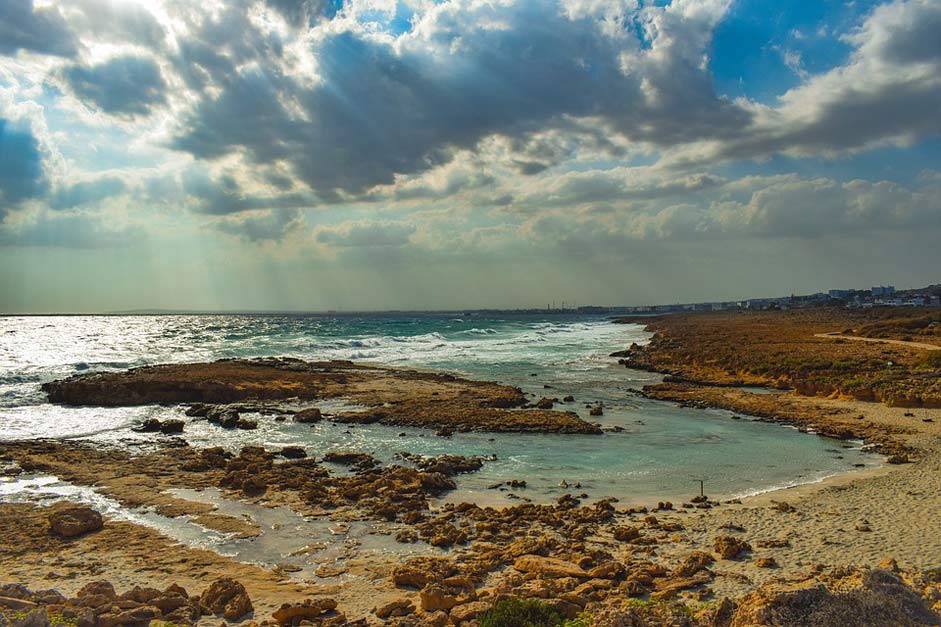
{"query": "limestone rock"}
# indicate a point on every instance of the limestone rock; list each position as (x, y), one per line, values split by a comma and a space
(227, 597)
(71, 522)
(548, 567)
(729, 547)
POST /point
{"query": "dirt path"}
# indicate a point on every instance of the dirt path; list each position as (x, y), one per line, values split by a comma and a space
(877, 340)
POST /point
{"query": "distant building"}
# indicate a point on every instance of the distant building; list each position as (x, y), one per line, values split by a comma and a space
(839, 294)
(883, 290)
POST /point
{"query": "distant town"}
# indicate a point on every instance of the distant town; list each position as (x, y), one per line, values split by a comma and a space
(877, 296)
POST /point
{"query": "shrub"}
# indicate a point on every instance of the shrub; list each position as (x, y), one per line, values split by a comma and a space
(582, 620)
(931, 360)
(520, 613)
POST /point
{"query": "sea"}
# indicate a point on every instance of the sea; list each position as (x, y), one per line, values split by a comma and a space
(652, 451)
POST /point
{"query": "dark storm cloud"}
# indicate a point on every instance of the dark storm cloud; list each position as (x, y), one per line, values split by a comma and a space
(223, 195)
(303, 12)
(122, 86)
(21, 168)
(379, 110)
(86, 192)
(24, 27)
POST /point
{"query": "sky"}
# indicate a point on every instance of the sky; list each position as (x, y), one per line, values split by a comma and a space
(436, 154)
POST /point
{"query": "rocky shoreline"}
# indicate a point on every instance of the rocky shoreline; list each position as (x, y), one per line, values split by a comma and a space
(281, 386)
(818, 559)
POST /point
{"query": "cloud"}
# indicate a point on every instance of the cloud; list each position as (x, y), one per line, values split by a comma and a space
(86, 192)
(888, 92)
(42, 30)
(82, 231)
(124, 86)
(366, 234)
(377, 108)
(271, 225)
(21, 165)
(108, 21)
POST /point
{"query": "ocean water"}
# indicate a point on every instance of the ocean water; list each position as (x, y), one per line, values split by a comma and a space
(661, 453)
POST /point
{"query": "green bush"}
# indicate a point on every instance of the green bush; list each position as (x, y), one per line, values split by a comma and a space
(582, 620)
(520, 613)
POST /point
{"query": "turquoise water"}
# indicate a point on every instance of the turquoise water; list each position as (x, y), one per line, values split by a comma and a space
(661, 452)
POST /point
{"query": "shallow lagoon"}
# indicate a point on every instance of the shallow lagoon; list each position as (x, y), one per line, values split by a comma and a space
(660, 454)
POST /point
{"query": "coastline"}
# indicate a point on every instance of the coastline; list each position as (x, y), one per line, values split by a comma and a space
(848, 520)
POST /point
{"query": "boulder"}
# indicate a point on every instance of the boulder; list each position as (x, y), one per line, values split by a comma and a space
(293, 452)
(151, 425)
(434, 598)
(626, 533)
(693, 563)
(309, 610)
(399, 607)
(227, 597)
(548, 567)
(411, 577)
(171, 426)
(308, 416)
(729, 547)
(72, 522)
(468, 611)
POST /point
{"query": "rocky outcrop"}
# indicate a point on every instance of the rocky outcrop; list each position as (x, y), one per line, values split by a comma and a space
(877, 598)
(223, 390)
(97, 605)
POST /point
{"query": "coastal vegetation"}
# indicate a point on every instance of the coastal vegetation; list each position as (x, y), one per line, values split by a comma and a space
(789, 350)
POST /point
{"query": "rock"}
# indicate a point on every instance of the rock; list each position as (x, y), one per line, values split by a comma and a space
(626, 533)
(877, 598)
(544, 403)
(766, 562)
(17, 605)
(568, 399)
(411, 577)
(103, 588)
(293, 452)
(171, 426)
(889, 564)
(548, 567)
(399, 607)
(693, 563)
(468, 611)
(608, 570)
(151, 425)
(310, 609)
(863, 527)
(74, 521)
(227, 597)
(667, 588)
(730, 548)
(597, 410)
(246, 425)
(434, 598)
(308, 416)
